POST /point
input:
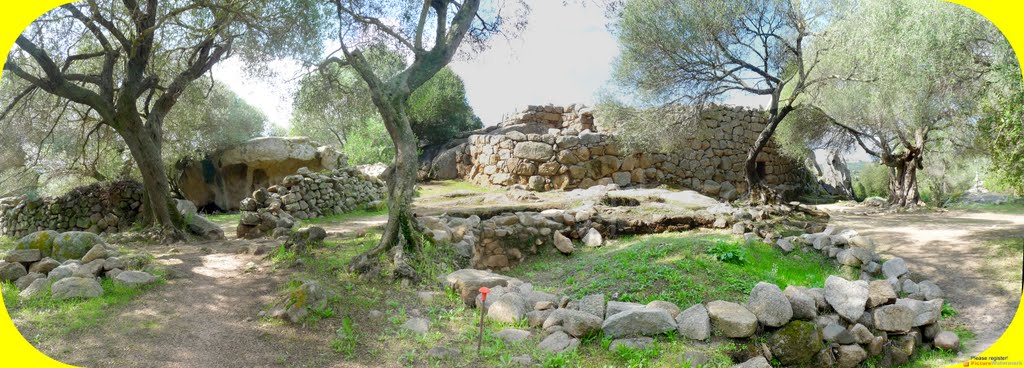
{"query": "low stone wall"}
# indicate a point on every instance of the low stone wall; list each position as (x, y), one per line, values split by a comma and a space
(304, 195)
(885, 313)
(547, 148)
(96, 208)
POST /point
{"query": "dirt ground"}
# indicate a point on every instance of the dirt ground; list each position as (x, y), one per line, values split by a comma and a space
(955, 250)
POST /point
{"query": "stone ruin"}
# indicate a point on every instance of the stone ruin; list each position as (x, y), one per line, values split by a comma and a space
(222, 179)
(96, 208)
(306, 194)
(559, 148)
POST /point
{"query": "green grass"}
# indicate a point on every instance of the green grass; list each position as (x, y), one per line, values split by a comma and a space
(7, 243)
(51, 318)
(677, 267)
(441, 187)
(225, 218)
(347, 216)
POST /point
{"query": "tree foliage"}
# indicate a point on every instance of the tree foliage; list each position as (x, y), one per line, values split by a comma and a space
(699, 52)
(924, 68)
(1002, 131)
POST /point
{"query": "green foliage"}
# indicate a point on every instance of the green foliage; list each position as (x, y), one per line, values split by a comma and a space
(335, 107)
(728, 252)
(346, 338)
(948, 311)
(633, 357)
(870, 180)
(438, 109)
(1002, 128)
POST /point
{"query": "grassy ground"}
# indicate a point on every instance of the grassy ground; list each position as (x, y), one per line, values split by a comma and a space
(225, 218)
(680, 267)
(51, 318)
(1014, 208)
(442, 187)
(343, 217)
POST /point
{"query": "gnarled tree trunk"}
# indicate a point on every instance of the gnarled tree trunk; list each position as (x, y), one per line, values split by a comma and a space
(903, 190)
(145, 150)
(402, 234)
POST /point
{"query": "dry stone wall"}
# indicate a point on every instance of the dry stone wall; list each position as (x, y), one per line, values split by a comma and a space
(96, 208)
(304, 195)
(550, 147)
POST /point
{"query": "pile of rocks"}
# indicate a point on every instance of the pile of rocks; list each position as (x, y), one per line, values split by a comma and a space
(504, 240)
(841, 324)
(540, 151)
(306, 195)
(96, 208)
(69, 265)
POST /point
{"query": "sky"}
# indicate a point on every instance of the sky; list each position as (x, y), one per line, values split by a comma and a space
(564, 56)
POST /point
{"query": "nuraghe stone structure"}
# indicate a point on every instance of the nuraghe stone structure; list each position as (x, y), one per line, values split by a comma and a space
(556, 147)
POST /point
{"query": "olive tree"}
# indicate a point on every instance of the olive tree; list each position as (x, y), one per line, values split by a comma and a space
(926, 66)
(429, 33)
(128, 63)
(695, 53)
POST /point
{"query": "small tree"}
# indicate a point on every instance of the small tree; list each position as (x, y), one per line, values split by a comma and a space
(698, 52)
(404, 27)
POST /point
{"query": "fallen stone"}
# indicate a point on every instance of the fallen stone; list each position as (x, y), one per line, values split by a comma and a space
(97, 251)
(836, 333)
(36, 288)
(894, 318)
(796, 343)
(573, 322)
(755, 362)
(861, 334)
(850, 356)
(563, 244)
(134, 278)
(880, 292)
(593, 238)
(593, 304)
(731, 319)
(947, 341)
(848, 298)
(803, 305)
(44, 265)
(76, 287)
(443, 353)
(11, 271)
(925, 312)
(895, 267)
(512, 335)
(417, 325)
(638, 322)
(23, 256)
(771, 307)
(538, 317)
(469, 281)
(694, 323)
(558, 342)
(24, 281)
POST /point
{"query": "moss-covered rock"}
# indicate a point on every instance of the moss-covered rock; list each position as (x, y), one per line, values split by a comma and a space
(74, 245)
(796, 342)
(39, 240)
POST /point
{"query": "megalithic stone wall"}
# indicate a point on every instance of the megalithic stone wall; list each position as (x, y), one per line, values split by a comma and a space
(96, 208)
(547, 148)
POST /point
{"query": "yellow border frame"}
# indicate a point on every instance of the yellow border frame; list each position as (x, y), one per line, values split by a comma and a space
(1007, 15)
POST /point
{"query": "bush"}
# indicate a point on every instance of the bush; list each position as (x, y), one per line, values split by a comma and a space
(728, 252)
(871, 180)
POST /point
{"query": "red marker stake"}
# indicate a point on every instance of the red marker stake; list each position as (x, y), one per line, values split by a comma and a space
(483, 311)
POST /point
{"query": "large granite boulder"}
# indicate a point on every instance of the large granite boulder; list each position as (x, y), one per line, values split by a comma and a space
(731, 319)
(795, 343)
(638, 322)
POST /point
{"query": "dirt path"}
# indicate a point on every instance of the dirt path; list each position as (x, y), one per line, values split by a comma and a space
(204, 316)
(953, 249)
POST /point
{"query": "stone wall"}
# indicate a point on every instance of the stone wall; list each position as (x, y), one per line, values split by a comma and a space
(304, 195)
(550, 147)
(96, 208)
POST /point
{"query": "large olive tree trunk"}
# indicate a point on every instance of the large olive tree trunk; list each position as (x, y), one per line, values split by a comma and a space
(145, 148)
(903, 188)
(759, 192)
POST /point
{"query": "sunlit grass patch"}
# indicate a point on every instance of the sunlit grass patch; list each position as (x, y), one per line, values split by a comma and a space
(441, 187)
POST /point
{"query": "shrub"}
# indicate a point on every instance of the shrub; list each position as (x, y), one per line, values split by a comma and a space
(728, 252)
